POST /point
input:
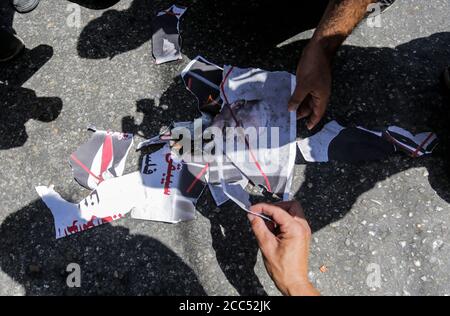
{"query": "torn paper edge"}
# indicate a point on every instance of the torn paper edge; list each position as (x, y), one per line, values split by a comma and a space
(220, 198)
(140, 212)
(120, 167)
(309, 153)
(287, 195)
(87, 221)
(182, 10)
(187, 69)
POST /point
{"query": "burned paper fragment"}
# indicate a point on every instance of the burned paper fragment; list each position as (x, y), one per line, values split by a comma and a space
(166, 40)
(102, 157)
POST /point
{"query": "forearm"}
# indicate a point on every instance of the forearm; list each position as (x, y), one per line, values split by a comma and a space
(338, 21)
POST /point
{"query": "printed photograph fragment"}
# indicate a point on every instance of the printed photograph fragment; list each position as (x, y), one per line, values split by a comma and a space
(112, 200)
(166, 190)
(166, 39)
(259, 136)
(253, 110)
(102, 157)
(172, 188)
(335, 142)
(203, 78)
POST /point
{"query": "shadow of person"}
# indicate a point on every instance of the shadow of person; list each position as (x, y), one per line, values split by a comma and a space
(247, 33)
(112, 261)
(116, 32)
(330, 190)
(235, 246)
(215, 27)
(95, 4)
(19, 105)
(18, 71)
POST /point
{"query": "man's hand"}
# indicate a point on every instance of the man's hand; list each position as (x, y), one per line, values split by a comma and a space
(313, 90)
(285, 248)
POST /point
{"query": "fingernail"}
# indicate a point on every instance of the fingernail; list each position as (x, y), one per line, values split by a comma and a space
(250, 217)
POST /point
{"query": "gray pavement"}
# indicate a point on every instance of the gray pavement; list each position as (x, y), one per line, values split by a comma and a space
(392, 215)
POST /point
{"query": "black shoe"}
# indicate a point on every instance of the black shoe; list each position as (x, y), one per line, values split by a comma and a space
(12, 46)
(25, 6)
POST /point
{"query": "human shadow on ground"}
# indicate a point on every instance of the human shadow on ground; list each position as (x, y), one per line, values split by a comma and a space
(95, 4)
(112, 261)
(116, 31)
(19, 105)
(221, 25)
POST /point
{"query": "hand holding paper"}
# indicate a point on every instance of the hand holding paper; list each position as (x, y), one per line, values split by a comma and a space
(285, 250)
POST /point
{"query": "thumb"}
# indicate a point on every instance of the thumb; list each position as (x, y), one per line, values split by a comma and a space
(297, 98)
(262, 233)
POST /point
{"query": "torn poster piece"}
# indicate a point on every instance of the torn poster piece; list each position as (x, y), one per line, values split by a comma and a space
(413, 145)
(202, 78)
(164, 137)
(217, 193)
(102, 157)
(254, 100)
(229, 173)
(172, 188)
(176, 131)
(353, 144)
(173, 133)
(113, 199)
(234, 191)
(169, 135)
(166, 39)
(237, 193)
